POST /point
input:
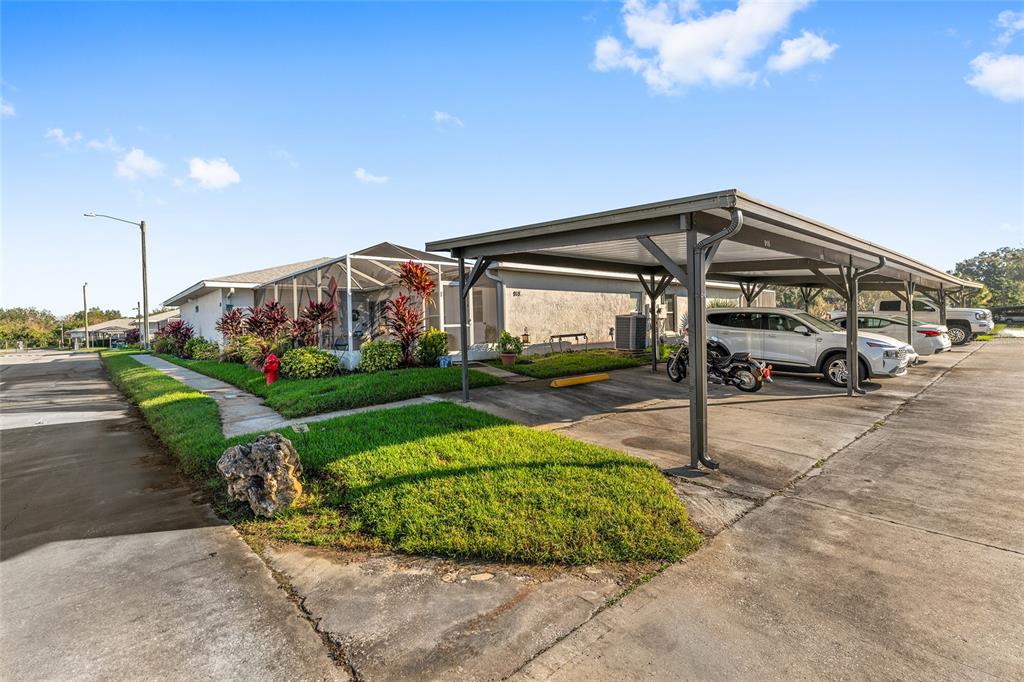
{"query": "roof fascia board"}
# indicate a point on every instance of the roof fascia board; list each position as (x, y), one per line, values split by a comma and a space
(633, 214)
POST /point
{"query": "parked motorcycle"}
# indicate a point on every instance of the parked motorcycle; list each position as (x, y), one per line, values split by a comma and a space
(731, 369)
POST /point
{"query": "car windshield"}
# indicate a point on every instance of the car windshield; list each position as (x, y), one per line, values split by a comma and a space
(818, 323)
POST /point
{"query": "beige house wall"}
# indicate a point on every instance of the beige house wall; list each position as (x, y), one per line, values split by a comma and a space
(544, 304)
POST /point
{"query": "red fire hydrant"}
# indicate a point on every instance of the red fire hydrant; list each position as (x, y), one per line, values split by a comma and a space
(270, 367)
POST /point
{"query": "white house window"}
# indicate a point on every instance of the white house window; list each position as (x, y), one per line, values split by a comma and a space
(669, 304)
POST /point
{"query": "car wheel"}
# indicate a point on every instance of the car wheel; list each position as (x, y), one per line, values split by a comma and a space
(834, 369)
(959, 334)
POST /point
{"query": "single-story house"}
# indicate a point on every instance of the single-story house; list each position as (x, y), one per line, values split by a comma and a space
(102, 333)
(117, 329)
(203, 303)
(519, 298)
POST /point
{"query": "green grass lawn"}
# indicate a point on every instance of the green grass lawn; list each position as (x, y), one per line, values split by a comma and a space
(304, 397)
(576, 362)
(438, 479)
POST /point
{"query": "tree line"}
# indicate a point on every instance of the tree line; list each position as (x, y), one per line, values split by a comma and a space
(40, 328)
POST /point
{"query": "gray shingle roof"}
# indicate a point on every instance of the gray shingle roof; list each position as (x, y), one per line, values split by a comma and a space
(268, 274)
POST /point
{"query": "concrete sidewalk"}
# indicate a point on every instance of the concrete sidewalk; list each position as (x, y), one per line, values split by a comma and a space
(109, 568)
(242, 412)
(903, 558)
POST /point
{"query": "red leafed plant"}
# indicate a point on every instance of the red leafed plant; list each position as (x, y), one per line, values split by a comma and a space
(267, 321)
(303, 331)
(419, 280)
(231, 324)
(178, 330)
(319, 312)
(132, 335)
(405, 321)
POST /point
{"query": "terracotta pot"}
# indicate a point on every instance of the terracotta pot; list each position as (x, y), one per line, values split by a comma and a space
(509, 359)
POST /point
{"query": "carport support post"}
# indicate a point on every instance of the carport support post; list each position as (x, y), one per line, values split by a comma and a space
(852, 358)
(700, 254)
(463, 331)
(908, 291)
(698, 333)
(942, 304)
(654, 326)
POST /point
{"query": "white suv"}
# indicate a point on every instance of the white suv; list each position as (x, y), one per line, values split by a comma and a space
(794, 341)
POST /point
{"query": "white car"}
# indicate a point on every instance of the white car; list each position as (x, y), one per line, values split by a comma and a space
(929, 339)
(795, 341)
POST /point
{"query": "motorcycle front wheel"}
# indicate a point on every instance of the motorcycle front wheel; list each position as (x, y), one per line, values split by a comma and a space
(676, 369)
(747, 382)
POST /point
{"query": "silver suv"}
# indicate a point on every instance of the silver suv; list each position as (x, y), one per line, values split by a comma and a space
(794, 341)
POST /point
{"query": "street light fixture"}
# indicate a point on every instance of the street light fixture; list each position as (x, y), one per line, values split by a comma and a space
(145, 284)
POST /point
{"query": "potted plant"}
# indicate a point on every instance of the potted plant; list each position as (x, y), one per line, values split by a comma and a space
(510, 347)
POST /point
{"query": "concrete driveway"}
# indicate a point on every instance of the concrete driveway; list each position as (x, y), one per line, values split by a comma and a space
(109, 568)
(764, 440)
(902, 558)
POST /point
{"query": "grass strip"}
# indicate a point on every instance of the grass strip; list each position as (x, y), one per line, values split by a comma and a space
(439, 479)
(304, 397)
(575, 362)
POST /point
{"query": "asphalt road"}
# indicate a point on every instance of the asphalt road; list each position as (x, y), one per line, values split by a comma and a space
(109, 566)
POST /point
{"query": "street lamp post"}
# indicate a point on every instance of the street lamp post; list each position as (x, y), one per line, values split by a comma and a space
(85, 312)
(145, 282)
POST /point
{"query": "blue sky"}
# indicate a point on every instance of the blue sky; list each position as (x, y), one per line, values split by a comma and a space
(238, 130)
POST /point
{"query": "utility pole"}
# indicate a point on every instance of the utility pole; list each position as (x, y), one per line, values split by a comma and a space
(145, 282)
(85, 311)
(145, 290)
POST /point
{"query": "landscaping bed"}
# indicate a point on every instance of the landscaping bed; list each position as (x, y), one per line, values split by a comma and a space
(438, 479)
(304, 397)
(574, 362)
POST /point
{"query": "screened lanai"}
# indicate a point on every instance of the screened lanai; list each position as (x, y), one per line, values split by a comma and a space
(727, 236)
(360, 283)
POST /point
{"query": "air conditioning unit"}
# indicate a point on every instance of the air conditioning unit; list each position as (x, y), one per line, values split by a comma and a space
(631, 333)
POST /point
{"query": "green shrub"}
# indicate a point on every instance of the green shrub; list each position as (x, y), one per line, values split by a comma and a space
(377, 356)
(432, 345)
(308, 363)
(165, 345)
(199, 348)
(509, 344)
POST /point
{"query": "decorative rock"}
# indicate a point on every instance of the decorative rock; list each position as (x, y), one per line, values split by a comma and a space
(265, 473)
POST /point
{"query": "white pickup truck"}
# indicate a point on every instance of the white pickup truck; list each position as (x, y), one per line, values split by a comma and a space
(964, 323)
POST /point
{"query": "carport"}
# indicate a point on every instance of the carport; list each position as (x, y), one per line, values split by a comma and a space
(728, 236)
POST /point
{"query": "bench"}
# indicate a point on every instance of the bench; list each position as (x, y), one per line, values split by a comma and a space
(575, 336)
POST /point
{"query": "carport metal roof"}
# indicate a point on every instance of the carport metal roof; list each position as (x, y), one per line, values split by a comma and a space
(726, 236)
(774, 246)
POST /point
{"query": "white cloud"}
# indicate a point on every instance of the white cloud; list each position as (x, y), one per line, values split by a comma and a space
(6, 108)
(443, 118)
(1012, 23)
(672, 45)
(800, 51)
(58, 136)
(999, 75)
(212, 173)
(363, 175)
(136, 164)
(107, 145)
